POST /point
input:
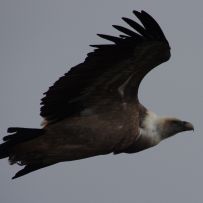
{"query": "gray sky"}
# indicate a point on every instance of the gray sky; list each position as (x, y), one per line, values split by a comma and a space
(41, 39)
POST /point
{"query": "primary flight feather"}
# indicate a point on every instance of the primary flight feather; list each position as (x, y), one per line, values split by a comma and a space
(94, 108)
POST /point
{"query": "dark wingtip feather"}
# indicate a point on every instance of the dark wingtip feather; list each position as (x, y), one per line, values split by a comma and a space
(136, 26)
(123, 36)
(126, 31)
(144, 12)
(110, 38)
(151, 25)
(102, 45)
(136, 12)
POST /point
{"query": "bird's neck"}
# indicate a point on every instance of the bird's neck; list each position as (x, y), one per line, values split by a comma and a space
(151, 132)
(149, 129)
(154, 128)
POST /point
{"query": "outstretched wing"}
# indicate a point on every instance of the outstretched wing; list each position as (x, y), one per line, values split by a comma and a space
(112, 72)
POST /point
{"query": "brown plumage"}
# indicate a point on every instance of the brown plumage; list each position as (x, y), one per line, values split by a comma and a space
(94, 108)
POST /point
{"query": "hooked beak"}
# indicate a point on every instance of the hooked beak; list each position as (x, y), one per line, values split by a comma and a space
(188, 126)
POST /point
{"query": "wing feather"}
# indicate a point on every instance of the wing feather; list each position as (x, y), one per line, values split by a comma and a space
(116, 40)
(137, 27)
(107, 68)
(150, 25)
(127, 31)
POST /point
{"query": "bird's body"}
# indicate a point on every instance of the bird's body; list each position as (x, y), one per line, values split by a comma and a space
(86, 135)
(94, 108)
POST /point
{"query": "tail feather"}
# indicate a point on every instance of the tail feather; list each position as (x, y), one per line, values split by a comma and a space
(11, 142)
(19, 135)
(22, 134)
(5, 149)
(28, 169)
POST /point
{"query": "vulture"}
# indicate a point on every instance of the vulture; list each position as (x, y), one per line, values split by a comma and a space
(94, 108)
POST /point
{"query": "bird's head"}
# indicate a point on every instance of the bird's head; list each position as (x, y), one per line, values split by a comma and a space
(171, 126)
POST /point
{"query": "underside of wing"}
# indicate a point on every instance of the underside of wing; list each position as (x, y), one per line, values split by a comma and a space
(112, 72)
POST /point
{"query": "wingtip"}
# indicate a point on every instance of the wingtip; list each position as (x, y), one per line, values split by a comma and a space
(100, 35)
(146, 13)
(116, 27)
(125, 19)
(14, 177)
(135, 12)
(142, 11)
(139, 13)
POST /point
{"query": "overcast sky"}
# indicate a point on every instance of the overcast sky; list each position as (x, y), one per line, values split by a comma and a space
(41, 39)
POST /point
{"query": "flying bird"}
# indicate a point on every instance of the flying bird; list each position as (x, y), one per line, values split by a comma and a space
(94, 108)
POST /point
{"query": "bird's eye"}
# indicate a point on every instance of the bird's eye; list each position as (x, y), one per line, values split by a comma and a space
(175, 122)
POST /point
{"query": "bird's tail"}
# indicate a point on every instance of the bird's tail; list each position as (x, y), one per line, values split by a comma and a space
(18, 136)
(11, 141)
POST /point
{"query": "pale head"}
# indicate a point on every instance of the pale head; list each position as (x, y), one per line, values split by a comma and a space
(171, 126)
(157, 128)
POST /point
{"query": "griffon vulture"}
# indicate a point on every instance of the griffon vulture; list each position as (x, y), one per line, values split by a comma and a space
(94, 108)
